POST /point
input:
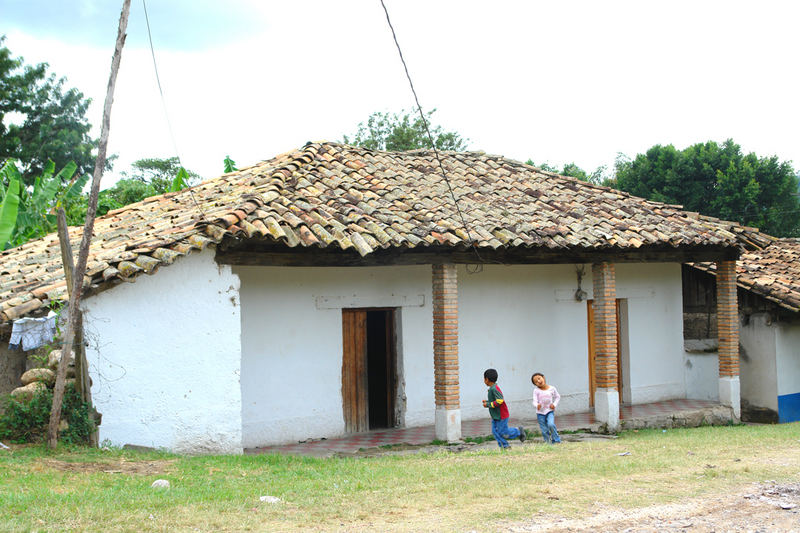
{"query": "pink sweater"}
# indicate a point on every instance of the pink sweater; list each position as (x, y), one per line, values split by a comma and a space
(545, 398)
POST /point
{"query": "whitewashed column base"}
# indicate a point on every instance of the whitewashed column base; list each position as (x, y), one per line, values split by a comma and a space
(448, 424)
(730, 394)
(606, 408)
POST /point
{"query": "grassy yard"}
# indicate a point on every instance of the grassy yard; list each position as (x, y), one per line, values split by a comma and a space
(110, 490)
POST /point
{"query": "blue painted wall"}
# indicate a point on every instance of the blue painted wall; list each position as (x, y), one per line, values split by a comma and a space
(789, 408)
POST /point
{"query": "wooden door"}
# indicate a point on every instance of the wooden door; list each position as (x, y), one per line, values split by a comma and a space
(354, 370)
(590, 321)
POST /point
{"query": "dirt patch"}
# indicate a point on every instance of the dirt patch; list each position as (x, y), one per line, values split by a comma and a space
(144, 468)
(462, 446)
(762, 507)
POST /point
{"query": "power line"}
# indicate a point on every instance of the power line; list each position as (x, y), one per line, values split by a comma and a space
(158, 82)
(164, 105)
(430, 138)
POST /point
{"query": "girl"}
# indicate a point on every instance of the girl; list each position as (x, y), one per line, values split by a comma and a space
(545, 400)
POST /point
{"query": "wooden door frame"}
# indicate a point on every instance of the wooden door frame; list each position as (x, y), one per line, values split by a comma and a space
(355, 387)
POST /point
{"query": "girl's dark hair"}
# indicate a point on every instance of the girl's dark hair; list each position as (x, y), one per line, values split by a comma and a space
(491, 375)
(536, 374)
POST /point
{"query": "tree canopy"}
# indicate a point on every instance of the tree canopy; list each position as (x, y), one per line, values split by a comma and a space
(158, 173)
(41, 120)
(598, 177)
(148, 177)
(397, 132)
(720, 181)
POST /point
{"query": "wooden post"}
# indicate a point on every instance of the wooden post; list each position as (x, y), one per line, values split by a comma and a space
(88, 228)
(82, 384)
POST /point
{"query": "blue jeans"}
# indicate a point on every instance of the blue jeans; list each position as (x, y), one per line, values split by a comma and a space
(501, 432)
(547, 424)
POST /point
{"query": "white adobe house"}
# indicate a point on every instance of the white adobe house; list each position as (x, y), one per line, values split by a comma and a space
(769, 331)
(333, 290)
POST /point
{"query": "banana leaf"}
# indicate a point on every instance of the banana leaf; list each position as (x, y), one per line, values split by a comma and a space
(10, 205)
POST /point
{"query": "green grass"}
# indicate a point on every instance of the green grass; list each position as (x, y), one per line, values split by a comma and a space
(97, 490)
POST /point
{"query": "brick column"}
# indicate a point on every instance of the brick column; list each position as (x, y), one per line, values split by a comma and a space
(606, 396)
(445, 352)
(728, 335)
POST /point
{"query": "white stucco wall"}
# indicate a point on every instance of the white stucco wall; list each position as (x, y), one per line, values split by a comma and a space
(757, 366)
(655, 323)
(701, 371)
(535, 325)
(787, 351)
(164, 355)
(517, 319)
(292, 345)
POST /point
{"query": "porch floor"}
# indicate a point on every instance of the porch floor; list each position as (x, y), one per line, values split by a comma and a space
(472, 428)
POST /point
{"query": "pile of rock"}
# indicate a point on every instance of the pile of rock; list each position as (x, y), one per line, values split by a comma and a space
(36, 380)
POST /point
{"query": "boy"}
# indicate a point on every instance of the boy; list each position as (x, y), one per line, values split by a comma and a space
(545, 400)
(498, 410)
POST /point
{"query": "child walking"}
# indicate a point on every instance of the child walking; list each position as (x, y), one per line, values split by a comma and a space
(545, 400)
(498, 410)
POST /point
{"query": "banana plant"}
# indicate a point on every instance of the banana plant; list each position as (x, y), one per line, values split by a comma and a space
(229, 164)
(9, 206)
(32, 214)
(181, 181)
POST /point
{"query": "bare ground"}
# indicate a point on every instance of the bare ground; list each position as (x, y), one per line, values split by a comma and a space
(760, 507)
(145, 468)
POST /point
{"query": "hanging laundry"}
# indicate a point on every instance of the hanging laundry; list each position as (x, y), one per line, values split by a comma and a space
(30, 333)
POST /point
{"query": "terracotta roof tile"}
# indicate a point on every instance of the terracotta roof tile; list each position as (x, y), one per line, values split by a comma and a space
(333, 195)
(773, 273)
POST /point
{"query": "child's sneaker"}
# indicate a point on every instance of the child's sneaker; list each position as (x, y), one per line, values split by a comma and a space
(521, 434)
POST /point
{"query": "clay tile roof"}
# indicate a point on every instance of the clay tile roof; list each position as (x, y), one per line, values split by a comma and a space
(773, 273)
(358, 200)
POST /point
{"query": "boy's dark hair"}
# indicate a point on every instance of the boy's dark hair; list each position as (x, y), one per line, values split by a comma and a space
(536, 374)
(491, 375)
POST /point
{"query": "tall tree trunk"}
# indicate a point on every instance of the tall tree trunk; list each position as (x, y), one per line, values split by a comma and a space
(88, 228)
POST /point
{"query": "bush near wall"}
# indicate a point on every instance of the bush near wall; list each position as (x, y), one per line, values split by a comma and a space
(25, 421)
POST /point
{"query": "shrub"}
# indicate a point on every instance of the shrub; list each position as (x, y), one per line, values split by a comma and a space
(26, 421)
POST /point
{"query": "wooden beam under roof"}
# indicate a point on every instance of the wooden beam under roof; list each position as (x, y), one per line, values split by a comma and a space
(267, 254)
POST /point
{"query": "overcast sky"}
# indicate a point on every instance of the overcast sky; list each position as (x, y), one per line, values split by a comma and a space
(552, 81)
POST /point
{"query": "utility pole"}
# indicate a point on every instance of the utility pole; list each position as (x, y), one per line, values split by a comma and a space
(88, 228)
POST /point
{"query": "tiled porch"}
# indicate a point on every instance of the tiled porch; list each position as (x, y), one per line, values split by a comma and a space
(472, 428)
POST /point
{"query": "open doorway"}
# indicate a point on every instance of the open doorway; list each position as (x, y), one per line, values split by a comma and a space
(369, 369)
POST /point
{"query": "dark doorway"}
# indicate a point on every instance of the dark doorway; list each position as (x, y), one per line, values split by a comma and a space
(369, 376)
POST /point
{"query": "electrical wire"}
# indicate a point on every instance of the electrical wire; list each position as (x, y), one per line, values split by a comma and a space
(433, 145)
(166, 113)
(158, 82)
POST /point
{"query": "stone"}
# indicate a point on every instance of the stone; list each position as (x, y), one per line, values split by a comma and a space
(26, 393)
(55, 357)
(43, 375)
(160, 484)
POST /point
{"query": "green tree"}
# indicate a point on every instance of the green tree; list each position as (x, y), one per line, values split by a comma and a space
(41, 120)
(717, 180)
(149, 177)
(598, 177)
(160, 173)
(403, 131)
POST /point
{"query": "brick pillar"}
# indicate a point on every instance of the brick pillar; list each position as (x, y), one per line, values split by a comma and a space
(445, 352)
(728, 335)
(606, 396)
